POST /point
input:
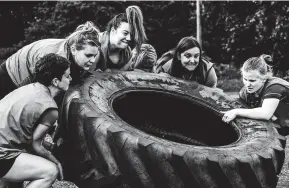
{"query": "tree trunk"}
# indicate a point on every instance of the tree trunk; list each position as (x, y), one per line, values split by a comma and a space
(199, 26)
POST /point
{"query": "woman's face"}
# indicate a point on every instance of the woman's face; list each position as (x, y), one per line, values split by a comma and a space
(63, 84)
(252, 81)
(190, 58)
(121, 36)
(85, 57)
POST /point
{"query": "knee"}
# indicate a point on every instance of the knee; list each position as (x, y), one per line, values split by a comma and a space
(51, 172)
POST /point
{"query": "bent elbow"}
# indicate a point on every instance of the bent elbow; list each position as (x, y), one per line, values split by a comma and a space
(267, 116)
(36, 146)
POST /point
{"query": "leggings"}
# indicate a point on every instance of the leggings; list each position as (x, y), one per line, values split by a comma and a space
(6, 84)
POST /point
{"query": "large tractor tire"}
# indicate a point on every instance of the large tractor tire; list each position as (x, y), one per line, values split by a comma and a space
(131, 129)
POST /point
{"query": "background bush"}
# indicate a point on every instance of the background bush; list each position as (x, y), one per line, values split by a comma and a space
(6, 52)
(229, 77)
(232, 31)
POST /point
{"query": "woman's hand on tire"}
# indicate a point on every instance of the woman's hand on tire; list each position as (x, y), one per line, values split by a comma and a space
(229, 115)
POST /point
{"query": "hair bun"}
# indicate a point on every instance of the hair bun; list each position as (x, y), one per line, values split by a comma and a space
(87, 26)
(267, 58)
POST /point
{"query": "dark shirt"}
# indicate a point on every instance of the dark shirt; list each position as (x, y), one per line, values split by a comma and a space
(273, 88)
(104, 62)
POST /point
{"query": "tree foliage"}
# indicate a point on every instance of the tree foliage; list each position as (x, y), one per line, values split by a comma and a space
(235, 31)
(232, 31)
(14, 18)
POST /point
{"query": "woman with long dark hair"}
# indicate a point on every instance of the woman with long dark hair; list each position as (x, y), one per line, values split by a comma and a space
(186, 62)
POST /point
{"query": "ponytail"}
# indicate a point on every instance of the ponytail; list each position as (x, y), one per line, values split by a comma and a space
(135, 20)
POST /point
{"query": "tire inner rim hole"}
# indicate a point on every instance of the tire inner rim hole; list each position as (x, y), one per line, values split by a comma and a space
(173, 117)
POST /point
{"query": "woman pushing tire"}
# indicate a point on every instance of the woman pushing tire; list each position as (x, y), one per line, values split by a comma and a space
(145, 130)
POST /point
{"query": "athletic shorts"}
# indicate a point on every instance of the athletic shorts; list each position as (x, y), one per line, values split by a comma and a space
(5, 165)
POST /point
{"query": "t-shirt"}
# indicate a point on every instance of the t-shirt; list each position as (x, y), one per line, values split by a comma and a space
(20, 111)
(273, 88)
(20, 66)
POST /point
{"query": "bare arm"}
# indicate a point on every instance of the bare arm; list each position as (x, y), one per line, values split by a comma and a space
(47, 120)
(265, 112)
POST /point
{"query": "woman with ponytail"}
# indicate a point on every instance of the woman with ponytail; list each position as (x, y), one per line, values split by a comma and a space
(124, 29)
(81, 48)
(266, 96)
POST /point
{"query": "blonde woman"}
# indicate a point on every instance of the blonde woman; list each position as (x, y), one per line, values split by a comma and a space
(266, 96)
(81, 48)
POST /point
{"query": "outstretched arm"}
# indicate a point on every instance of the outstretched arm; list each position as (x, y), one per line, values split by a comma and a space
(265, 112)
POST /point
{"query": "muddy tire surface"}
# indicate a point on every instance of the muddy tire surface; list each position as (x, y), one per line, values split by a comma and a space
(132, 129)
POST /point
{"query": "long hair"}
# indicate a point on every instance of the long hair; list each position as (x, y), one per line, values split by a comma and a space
(134, 17)
(135, 20)
(177, 70)
(49, 67)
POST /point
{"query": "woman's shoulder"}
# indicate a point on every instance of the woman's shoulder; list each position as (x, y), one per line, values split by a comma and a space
(42, 92)
(33, 97)
(166, 67)
(164, 63)
(208, 63)
(277, 86)
(163, 66)
(278, 81)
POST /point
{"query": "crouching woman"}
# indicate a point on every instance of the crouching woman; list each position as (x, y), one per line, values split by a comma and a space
(26, 114)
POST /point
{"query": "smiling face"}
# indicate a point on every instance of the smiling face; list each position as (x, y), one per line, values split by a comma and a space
(190, 58)
(121, 36)
(252, 81)
(85, 57)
